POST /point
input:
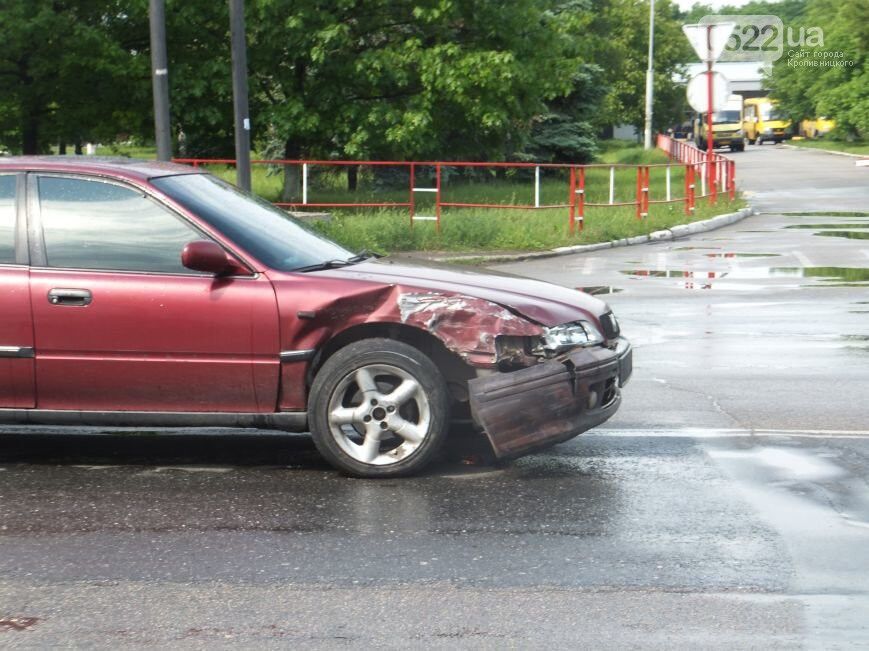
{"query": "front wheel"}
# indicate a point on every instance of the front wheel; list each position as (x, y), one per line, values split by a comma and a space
(379, 408)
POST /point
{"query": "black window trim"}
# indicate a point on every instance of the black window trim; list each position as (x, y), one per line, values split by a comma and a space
(36, 236)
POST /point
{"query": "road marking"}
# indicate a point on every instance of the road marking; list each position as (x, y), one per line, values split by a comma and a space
(712, 433)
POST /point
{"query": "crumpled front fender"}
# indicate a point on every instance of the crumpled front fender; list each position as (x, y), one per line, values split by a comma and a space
(467, 326)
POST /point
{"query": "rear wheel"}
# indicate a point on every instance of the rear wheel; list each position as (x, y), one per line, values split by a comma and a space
(379, 408)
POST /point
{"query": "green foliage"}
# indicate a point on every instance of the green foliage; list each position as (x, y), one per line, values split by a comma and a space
(840, 92)
(391, 78)
(619, 38)
(462, 79)
(566, 132)
(67, 71)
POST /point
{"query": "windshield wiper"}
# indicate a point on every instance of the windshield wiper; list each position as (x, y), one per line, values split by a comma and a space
(320, 266)
(364, 254)
(334, 264)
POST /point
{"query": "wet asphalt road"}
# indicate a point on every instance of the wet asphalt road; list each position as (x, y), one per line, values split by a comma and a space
(725, 506)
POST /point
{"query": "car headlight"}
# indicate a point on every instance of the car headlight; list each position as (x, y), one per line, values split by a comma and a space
(739, 133)
(767, 131)
(569, 335)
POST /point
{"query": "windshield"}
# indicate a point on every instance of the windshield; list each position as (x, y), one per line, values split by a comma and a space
(725, 117)
(772, 112)
(265, 231)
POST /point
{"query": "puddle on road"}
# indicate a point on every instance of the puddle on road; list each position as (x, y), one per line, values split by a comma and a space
(596, 290)
(742, 255)
(848, 274)
(697, 248)
(851, 235)
(819, 227)
(825, 214)
(700, 279)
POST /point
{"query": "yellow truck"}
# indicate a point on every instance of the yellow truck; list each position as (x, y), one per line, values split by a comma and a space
(763, 121)
(726, 126)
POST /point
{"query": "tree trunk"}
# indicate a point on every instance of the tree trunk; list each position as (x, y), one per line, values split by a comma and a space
(61, 148)
(292, 173)
(352, 178)
(30, 135)
(77, 147)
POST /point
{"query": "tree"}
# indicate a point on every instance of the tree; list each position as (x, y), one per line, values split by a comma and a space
(566, 132)
(839, 91)
(406, 79)
(619, 40)
(65, 75)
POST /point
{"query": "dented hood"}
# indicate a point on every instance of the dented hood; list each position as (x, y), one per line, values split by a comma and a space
(541, 302)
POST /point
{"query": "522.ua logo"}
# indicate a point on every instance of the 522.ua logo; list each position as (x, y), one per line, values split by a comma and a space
(762, 38)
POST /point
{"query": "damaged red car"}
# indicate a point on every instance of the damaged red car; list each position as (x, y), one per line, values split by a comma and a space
(137, 293)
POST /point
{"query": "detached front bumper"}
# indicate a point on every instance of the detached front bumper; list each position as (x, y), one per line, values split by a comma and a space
(551, 402)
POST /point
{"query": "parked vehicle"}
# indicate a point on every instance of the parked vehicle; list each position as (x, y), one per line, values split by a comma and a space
(726, 127)
(142, 293)
(817, 127)
(764, 122)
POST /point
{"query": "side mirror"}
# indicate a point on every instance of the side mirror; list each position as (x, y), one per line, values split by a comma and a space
(202, 255)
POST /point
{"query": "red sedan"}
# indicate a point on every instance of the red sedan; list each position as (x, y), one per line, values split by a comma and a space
(152, 294)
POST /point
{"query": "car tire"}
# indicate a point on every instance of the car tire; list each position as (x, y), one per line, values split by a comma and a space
(379, 408)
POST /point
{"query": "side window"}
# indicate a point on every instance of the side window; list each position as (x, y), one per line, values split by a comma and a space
(7, 219)
(96, 225)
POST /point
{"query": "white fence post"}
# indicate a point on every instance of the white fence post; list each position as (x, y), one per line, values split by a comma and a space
(537, 186)
(668, 183)
(304, 183)
(612, 184)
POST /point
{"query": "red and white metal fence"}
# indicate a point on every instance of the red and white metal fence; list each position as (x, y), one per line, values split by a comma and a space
(686, 159)
(718, 169)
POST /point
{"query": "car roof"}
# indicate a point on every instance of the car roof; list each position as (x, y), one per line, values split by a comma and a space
(128, 168)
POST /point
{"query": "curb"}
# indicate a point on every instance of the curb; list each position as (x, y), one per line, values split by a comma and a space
(669, 234)
(825, 151)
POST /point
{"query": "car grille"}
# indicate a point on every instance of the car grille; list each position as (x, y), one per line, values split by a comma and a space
(610, 325)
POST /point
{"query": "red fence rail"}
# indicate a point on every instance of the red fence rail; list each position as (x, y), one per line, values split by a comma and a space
(688, 160)
(717, 168)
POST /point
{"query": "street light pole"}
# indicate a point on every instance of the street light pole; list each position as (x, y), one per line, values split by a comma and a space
(239, 93)
(650, 77)
(160, 79)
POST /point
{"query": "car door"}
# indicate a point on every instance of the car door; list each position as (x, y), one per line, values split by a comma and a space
(121, 325)
(16, 325)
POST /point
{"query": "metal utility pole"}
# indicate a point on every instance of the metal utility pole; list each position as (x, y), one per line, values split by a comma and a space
(160, 77)
(650, 71)
(710, 134)
(239, 93)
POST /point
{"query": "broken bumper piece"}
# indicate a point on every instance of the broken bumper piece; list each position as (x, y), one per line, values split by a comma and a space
(551, 402)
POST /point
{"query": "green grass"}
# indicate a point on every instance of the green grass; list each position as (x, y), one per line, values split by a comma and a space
(127, 151)
(622, 152)
(516, 230)
(833, 145)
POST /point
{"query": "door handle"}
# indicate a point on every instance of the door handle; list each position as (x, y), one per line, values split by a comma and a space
(79, 297)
